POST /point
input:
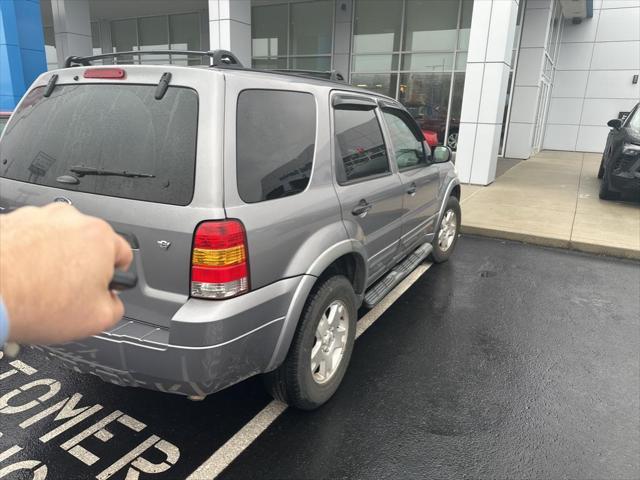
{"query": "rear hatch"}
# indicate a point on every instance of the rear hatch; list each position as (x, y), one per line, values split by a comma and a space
(114, 150)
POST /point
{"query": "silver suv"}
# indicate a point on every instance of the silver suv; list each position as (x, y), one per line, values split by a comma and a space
(263, 209)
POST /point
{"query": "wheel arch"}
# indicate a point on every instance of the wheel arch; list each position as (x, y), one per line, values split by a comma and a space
(343, 258)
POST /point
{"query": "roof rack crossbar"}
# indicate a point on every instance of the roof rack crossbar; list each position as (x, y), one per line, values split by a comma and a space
(217, 58)
(333, 75)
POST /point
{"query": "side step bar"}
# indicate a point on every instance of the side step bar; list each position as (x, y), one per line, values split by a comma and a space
(396, 275)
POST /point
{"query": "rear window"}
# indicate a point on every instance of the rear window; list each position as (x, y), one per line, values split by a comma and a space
(276, 133)
(102, 135)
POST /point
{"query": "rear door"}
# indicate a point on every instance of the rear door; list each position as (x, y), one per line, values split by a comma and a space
(419, 176)
(368, 187)
(115, 151)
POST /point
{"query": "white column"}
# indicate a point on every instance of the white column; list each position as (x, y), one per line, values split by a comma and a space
(490, 46)
(230, 27)
(526, 88)
(72, 28)
(342, 37)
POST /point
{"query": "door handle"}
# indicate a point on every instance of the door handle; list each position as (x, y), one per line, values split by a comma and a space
(362, 209)
(412, 189)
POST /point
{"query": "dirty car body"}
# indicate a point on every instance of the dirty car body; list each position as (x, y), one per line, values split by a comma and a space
(199, 145)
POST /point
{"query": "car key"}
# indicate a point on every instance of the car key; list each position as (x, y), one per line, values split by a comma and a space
(120, 281)
(123, 281)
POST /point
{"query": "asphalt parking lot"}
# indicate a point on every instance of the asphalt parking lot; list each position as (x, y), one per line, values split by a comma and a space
(510, 361)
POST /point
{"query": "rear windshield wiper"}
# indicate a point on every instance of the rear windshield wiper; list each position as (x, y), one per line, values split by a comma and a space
(80, 171)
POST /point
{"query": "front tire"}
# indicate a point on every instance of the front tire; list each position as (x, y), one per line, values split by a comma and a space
(447, 234)
(605, 192)
(321, 347)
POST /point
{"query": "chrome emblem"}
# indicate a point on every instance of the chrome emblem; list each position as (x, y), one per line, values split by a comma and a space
(62, 200)
(163, 244)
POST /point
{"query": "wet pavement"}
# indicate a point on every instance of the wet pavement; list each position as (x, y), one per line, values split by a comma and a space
(510, 361)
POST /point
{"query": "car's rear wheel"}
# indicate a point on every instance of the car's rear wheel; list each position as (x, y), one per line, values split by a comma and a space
(321, 347)
(447, 234)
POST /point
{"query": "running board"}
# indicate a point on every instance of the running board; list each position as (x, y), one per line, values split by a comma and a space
(396, 275)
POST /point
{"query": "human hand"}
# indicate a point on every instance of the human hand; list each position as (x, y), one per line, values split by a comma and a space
(55, 268)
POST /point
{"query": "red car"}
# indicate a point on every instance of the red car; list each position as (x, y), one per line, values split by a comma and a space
(431, 137)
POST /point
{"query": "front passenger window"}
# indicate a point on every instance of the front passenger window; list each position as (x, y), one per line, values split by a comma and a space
(408, 148)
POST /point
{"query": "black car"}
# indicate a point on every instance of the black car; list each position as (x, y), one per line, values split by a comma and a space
(620, 166)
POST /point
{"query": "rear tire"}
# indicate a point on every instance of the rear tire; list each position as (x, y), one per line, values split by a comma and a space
(447, 233)
(301, 381)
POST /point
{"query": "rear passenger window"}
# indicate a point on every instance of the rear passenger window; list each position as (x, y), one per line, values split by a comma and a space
(275, 142)
(360, 148)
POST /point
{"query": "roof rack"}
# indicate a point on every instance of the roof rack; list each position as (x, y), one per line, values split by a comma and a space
(217, 58)
(333, 75)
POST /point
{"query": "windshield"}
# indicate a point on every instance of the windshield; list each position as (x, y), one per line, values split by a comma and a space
(634, 122)
(107, 127)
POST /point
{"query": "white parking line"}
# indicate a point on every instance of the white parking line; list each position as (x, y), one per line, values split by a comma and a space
(228, 452)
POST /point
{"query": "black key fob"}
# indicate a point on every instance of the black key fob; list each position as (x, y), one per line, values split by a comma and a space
(123, 281)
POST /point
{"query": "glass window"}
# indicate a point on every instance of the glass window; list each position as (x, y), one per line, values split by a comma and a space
(427, 62)
(374, 63)
(311, 28)
(465, 23)
(633, 123)
(321, 64)
(50, 48)
(269, 30)
(125, 129)
(269, 63)
(360, 149)
(384, 83)
(153, 35)
(276, 133)
(431, 25)
(377, 26)
(124, 37)
(184, 34)
(461, 61)
(95, 38)
(407, 146)
(426, 96)
(456, 109)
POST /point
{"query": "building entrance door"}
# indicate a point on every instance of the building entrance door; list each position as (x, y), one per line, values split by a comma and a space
(541, 116)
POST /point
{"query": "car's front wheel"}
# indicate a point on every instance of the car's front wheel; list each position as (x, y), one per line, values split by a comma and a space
(321, 347)
(605, 191)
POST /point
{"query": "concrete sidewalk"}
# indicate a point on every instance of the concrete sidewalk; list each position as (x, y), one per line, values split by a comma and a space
(552, 199)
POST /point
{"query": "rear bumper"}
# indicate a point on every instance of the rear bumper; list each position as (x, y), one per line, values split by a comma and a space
(208, 346)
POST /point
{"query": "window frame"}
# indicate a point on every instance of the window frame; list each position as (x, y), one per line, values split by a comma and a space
(315, 142)
(413, 126)
(338, 164)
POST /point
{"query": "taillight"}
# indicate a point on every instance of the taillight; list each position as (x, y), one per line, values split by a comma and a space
(219, 265)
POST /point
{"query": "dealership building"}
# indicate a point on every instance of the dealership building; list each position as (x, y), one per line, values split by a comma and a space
(489, 78)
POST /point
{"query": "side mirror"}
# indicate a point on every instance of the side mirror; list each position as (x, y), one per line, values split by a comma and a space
(442, 154)
(616, 123)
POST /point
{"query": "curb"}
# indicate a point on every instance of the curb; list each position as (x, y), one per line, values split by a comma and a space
(587, 247)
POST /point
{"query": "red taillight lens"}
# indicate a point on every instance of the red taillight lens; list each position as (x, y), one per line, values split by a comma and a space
(113, 73)
(219, 267)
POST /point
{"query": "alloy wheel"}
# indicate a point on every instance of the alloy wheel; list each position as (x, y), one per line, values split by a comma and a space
(452, 141)
(330, 342)
(448, 230)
